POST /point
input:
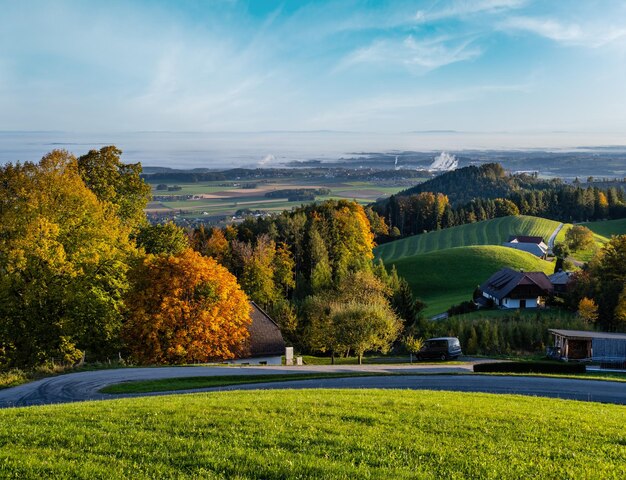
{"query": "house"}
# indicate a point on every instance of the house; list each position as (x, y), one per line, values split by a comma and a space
(560, 281)
(265, 345)
(581, 345)
(509, 288)
(534, 245)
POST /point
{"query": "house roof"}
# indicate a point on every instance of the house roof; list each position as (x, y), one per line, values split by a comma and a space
(535, 249)
(503, 282)
(560, 277)
(585, 335)
(265, 338)
(526, 239)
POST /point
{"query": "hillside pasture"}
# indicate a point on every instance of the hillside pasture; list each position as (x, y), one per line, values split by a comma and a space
(316, 434)
(488, 232)
(607, 228)
(448, 277)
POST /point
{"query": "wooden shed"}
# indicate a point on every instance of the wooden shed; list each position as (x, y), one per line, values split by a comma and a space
(582, 345)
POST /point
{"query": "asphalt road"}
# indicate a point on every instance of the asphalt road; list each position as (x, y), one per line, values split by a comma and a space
(83, 386)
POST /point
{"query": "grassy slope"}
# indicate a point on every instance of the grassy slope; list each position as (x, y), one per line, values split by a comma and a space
(608, 227)
(316, 434)
(448, 277)
(488, 232)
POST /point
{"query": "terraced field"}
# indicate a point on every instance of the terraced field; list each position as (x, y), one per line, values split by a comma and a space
(488, 232)
(448, 277)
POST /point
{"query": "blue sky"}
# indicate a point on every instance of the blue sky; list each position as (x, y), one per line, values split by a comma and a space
(365, 66)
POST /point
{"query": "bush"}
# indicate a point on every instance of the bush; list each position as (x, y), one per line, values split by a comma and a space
(12, 378)
(461, 308)
(530, 367)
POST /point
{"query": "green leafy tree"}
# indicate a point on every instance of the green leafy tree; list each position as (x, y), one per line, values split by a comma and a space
(117, 183)
(166, 239)
(579, 237)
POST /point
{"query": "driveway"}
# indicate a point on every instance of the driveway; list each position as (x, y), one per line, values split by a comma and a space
(83, 386)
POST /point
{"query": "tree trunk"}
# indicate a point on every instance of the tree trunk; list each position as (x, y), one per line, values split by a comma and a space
(360, 359)
(332, 358)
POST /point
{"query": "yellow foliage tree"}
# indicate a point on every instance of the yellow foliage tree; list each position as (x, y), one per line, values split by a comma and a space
(588, 310)
(184, 309)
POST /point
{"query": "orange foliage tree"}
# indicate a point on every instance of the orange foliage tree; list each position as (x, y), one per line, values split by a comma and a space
(183, 309)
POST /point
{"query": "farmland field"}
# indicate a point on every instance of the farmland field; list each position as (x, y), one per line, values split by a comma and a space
(225, 198)
(316, 434)
(488, 232)
(448, 277)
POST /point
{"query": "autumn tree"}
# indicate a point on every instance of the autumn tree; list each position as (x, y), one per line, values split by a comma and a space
(184, 308)
(63, 261)
(117, 183)
(588, 310)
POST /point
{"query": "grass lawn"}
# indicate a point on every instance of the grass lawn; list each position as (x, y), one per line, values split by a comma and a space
(447, 277)
(488, 232)
(316, 434)
(170, 384)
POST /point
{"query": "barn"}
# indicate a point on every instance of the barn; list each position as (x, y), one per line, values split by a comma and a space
(581, 345)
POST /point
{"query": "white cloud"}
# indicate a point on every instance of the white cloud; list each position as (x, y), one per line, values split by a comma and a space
(568, 34)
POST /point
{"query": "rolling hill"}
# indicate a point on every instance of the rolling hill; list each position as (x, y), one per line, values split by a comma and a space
(606, 228)
(488, 232)
(447, 277)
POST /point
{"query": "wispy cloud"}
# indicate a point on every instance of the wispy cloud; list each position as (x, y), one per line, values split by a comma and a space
(462, 8)
(417, 55)
(565, 33)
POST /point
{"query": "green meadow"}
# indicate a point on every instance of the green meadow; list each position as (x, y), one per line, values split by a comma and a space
(606, 228)
(488, 232)
(330, 434)
(448, 277)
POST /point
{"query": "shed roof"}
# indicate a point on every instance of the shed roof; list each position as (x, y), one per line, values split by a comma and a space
(526, 239)
(560, 277)
(535, 249)
(584, 334)
(502, 283)
(265, 338)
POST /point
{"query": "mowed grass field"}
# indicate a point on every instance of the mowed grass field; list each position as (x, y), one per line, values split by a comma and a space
(328, 434)
(607, 228)
(448, 277)
(488, 232)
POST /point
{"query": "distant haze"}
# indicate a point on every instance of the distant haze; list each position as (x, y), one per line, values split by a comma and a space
(274, 149)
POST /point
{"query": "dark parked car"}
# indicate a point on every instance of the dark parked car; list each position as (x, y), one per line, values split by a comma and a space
(441, 348)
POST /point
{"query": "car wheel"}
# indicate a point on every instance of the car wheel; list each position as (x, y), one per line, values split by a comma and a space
(444, 357)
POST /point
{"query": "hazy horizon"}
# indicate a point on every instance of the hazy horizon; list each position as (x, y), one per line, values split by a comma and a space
(266, 149)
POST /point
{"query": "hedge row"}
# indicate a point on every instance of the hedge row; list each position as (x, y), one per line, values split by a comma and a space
(530, 367)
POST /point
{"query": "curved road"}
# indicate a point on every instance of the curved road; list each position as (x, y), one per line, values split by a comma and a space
(86, 385)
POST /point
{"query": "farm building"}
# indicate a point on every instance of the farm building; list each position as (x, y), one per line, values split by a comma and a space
(560, 280)
(582, 345)
(534, 245)
(266, 345)
(509, 288)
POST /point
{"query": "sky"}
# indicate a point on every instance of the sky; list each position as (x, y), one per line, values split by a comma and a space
(385, 67)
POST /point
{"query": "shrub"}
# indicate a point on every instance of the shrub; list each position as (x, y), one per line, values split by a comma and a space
(530, 367)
